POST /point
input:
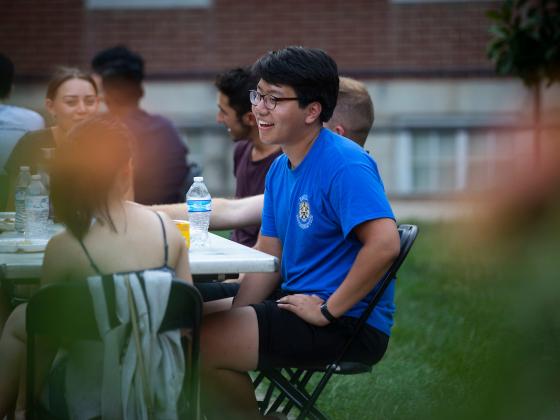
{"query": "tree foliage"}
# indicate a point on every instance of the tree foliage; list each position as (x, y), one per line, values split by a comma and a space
(526, 40)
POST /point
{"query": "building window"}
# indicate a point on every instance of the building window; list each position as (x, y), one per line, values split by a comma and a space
(146, 4)
(434, 162)
(439, 161)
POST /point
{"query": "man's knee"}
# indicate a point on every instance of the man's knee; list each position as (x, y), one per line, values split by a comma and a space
(230, 340)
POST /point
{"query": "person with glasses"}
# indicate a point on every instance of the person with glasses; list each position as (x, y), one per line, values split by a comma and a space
(352, 118)
(327, 219)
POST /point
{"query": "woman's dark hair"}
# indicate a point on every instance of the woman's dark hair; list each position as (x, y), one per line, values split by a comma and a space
(84, 170)
(311, 72)
(62, 74)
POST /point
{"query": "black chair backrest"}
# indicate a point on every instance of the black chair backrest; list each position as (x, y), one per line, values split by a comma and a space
(407, 234)
(66, 311)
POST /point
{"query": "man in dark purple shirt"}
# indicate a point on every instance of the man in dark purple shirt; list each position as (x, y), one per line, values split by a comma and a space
(161, 173)
(251, 158)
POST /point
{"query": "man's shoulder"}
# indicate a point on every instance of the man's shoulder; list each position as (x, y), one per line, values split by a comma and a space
(241, 149)
(335, 141)
(142, 118)
(242, 145)
(145, 124)
(337, 148)
(279, 163)
(21, 117)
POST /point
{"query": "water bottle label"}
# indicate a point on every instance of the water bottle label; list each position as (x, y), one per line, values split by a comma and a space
(195, 206)
(20, 194)
(39, 202)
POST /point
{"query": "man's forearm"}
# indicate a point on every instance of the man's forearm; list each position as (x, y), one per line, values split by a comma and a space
(174, 211)
(374, 259)
(237, 213)
(255, 288)
(226, 213)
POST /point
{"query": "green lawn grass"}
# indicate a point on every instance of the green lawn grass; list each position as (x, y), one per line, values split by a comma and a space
(457, 347)
(476, 334)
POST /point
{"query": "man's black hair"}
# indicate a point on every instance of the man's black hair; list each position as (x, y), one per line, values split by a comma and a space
(6, 76)
(122, 71)
(119, 57)
(235, 84)
(310, 72)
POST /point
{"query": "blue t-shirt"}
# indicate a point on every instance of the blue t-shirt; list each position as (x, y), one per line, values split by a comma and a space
(313, 208)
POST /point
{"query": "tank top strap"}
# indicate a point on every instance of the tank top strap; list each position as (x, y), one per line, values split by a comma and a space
(92, 263)
(165, 246)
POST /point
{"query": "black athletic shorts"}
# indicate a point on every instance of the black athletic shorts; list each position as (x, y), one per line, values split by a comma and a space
(216, 290)
(286, 340)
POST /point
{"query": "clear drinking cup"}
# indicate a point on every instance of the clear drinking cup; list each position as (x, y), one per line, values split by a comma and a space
(185, 229)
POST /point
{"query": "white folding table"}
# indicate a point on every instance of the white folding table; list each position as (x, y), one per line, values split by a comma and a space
(221, 259)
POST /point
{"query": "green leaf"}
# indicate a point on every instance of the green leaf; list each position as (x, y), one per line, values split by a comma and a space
(494, 15)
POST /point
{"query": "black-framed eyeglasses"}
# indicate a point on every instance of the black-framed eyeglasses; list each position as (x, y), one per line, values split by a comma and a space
(269, 100)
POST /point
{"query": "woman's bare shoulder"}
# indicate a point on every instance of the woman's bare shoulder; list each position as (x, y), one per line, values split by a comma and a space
(62, 242)
(62, 254)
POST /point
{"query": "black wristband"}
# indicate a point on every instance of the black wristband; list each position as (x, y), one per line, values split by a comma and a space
(325, 311)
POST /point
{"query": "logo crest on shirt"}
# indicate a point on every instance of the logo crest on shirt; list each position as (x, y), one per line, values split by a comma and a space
(304, 216)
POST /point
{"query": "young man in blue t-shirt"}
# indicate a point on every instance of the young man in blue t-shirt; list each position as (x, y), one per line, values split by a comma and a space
(327, 219)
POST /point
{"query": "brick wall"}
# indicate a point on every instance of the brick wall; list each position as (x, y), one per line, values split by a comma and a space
(366, 37)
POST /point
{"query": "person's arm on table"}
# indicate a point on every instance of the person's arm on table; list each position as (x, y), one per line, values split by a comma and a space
(256, 287)
(380, 247)
(238, 213)
(174, 211)
(226, 213)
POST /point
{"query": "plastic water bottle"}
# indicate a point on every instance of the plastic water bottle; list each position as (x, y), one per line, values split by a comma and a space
(199, 205)
(36, 209)
(23, 181)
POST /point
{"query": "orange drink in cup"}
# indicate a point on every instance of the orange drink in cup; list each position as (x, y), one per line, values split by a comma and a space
(185, 229)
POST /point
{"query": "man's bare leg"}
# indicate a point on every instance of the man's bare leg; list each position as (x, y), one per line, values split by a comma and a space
(229, 350)
(217, 306)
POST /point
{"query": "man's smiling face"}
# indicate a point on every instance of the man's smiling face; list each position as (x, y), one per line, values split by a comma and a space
(283, 124)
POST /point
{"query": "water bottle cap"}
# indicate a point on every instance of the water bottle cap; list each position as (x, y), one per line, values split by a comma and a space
(198, 179)
(36, 176)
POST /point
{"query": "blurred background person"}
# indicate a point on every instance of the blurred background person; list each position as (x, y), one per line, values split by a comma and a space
(14, 122)
(71, 98)
(161, 172)
(251, 158)
(354, 113)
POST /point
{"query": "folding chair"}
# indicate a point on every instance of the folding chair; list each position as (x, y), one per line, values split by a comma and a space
(65, 311)
(291, 383)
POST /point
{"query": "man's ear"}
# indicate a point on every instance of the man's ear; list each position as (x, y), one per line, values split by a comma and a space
(249, 119)
(339, 129)
(313, 112)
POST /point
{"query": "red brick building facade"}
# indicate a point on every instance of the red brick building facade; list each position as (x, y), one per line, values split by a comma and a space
(368, 38)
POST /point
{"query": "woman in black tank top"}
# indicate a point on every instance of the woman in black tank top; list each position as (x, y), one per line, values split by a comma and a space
(105, 234)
